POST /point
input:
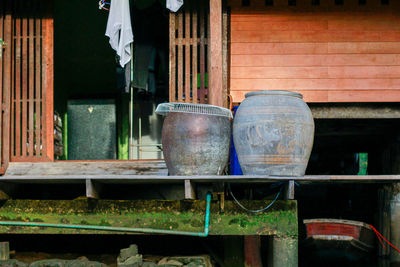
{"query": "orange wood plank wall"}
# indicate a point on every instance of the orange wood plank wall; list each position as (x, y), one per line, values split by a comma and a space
(328, 50)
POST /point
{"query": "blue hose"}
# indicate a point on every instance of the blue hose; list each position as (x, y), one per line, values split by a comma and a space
(123, 229)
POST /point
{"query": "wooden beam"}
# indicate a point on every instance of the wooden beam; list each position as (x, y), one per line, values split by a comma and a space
(48, 82)
(215, 92)
(289, 190)
(92, 189)
(190, 192)
(148, 167)
(149, 179)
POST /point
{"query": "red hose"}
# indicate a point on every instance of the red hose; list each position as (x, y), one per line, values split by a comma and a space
(379, 235)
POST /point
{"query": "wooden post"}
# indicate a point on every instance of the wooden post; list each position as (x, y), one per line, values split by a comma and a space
(190, 192)
(92, 189)
(289, 190)
(283, 252)
(252, 246)
(215, 88)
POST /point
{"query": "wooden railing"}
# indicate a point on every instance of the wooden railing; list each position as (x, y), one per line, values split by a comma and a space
(189, 34)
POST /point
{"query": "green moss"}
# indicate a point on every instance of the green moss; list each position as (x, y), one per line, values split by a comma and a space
(169, 215)
(103, 222)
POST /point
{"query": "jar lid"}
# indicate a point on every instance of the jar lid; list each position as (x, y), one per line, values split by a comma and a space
(205, 109)
(274, 92)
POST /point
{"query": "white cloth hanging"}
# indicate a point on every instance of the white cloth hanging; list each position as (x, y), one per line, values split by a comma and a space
(174, 5)
(119, 29)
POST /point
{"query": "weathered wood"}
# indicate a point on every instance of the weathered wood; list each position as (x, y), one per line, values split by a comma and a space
(289, 190)
(92, 189)
(88, 168)
(172, 58)
(190, 192)
(215, 91)
(143, 175)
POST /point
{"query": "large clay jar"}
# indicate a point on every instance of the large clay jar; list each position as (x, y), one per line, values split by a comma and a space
(196, 142)
(273, 133)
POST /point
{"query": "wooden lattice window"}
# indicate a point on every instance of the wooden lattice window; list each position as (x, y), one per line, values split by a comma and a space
(27, 80)
(189, 31)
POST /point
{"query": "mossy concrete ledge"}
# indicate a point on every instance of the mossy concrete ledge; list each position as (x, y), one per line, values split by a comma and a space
(185, 215)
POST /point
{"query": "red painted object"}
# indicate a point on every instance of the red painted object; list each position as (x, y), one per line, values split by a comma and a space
(340, 234)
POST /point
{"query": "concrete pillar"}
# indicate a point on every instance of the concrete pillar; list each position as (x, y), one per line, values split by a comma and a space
(283, 252)
(395, 222)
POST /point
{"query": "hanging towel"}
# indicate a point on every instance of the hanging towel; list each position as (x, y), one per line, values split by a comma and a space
(174, 5)
(119, 29)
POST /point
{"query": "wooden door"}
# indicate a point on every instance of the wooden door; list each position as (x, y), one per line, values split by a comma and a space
(5, 83)
(189, 32)
(27, 81)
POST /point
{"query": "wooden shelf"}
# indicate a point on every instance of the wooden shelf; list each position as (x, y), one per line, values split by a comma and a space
(131, 179)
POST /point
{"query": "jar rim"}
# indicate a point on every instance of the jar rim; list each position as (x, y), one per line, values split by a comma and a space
(274, 92)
